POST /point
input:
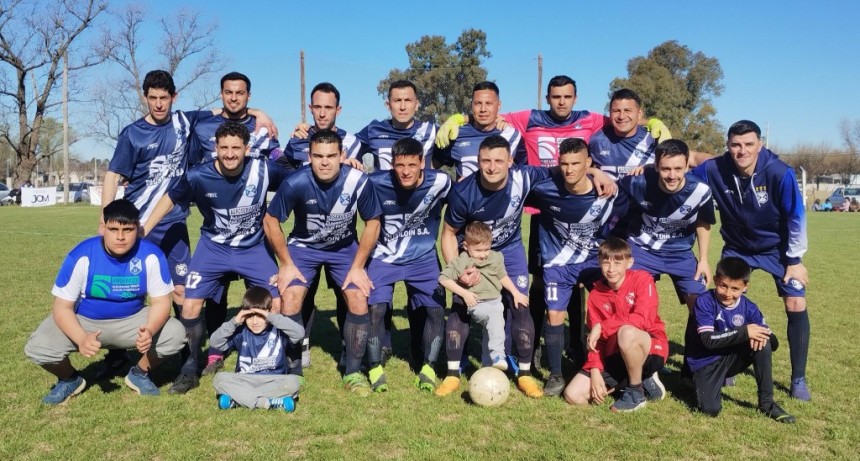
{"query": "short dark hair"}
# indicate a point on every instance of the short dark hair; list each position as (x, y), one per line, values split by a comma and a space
(326, 137)
(236, 76)
(486, 85)
(121, 211)
(560, 80)
(572, 145)
(495, 142)
(402, 84)
(159, 80)
(614, 248)
(233, 128)
(326, 87)
(671, 148)
(625, 93)
(742, 127)
(257, 298)
(407, 146)
(733, 268)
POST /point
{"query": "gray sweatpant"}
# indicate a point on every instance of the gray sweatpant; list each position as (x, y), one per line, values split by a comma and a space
(490, 315)
(247, 388)
(49, 345)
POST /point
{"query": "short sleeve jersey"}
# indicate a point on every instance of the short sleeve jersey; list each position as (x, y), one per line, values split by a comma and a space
(106, 287)
(542, 133)
(378, 137)
(462, 154)
(233, 207)
(712, 315)
(618, 156)
(203, 141)
(410, 217)
(325, 213)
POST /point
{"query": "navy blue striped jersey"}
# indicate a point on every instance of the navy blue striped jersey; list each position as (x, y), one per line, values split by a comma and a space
(378, 137)
(502, 210)
(664, 222)
(712, 316)
(462, 153)
(232, 208)
(410, 217)
(618, 156)
(203, 142)
(571, 225)
(325, 213)
(296, 153)
(152, 158)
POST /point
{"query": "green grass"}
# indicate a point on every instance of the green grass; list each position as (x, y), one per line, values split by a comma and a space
(109, 421)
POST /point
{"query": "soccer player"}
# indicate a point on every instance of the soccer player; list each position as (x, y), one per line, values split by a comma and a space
(411, 198)
(627, 341)
(462, 153)
(732, 335)
(764, 223)
(99, 301)
(230, 193)
(573, 222)
(495, 196)
(624, 146)
(325, 199)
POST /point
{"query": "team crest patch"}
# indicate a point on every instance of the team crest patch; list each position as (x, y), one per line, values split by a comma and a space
(344, 199)
(522, 281)
(251, 190)
(638, 153)
(595, 210)
(630, 298)
(737, 320)
(135, 266)
(428, 198)
(182, 270)
(761, 196)
(686, 209)
(515, 201)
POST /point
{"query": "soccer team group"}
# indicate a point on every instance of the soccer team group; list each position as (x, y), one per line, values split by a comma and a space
(613, 204)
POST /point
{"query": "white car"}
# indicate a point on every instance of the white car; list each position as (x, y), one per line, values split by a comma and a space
(5, 198)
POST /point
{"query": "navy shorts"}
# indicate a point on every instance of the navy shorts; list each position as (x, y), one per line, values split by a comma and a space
(560, 281)
(309, 260)
(212, 261)
(173, 240)
(769, 262)
(421, 278)
(680, 266)
(516, 266)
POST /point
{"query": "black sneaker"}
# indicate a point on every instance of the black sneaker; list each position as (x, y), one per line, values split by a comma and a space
(554, 385)
(776, 413)
(115, 363)
(183, 384)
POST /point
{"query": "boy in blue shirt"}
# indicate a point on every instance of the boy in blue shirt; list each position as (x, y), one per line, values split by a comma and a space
(732, 336)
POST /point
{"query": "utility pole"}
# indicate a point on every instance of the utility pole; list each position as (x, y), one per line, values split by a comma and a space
(66, 127)
(302, 78)
(540, 80)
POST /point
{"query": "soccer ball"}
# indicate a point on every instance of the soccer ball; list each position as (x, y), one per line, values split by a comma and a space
(489, 387)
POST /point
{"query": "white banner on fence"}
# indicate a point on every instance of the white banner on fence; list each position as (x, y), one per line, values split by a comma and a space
(42, 196)
(96, 194)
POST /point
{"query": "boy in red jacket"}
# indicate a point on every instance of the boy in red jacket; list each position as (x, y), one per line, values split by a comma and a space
(627, 340)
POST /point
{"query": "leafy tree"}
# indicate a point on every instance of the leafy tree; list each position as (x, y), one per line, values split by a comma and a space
(676, 85)
(444, 73)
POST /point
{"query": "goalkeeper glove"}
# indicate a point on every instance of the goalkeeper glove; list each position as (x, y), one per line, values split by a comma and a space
(449, 130)
(658, 129)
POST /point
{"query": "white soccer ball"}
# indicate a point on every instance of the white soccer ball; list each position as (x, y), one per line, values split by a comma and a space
(489, 387)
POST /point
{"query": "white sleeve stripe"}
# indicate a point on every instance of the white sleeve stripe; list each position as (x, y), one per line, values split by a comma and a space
(76, 288)
(155, 286)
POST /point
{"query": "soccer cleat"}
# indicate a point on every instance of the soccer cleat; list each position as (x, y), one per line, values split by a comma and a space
(139, 381)
(225, 402)
(729, 382)
(285, 403)
(306, 353)
(377, 379)
(183, 384)
(449, 385)
(500, 363)
(654, 388)
(213, 364)
(529, 386)
(554, 386)
(64, 390)
(776, 413)
(631, 400)
(115, 361)
(799, 390)
(426, 380)
(356, 384)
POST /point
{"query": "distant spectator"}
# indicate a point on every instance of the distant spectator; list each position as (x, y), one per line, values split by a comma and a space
(816, 205)
(845, 205)
(855, 206)
(827, 205)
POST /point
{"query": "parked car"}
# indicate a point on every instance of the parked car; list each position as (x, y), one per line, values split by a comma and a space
(5, 198)
(78, 192)
(844, 193)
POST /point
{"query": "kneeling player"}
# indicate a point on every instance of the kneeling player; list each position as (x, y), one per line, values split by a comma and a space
(627, 339)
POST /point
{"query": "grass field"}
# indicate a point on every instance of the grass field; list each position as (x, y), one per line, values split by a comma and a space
(109, 421)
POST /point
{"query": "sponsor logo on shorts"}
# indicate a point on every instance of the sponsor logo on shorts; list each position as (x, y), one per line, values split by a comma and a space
(522, 281)
(181, 269)
(794, 283)
(135, 266)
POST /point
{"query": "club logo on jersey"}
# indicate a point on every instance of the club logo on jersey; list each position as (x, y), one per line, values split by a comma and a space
(638, 153)
(604, 153)
(737, 320)
(344, 199)
(429, 198)
(645, 204)
(607, 307)
(135, 266)
(595, 209)
(686, 209)
(270, 343)
(761, 196)
(522, 281)
(578, 126)
(630, 298)
(251, 190)
(515, 201)
(181, 269)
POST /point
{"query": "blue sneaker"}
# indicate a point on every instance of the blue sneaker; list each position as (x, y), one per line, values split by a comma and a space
(139, 382)
(285, 403)
(654, 388)
(64, 390)
(631, 400)
(799, 390)
(225, 402)
(514, 365)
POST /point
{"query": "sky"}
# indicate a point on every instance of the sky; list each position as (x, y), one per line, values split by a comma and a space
(790, 66)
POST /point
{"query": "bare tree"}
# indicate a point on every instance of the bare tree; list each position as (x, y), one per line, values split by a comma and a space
(34, 37)
(186, 49)
(814, 158)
